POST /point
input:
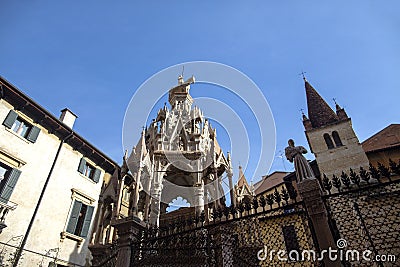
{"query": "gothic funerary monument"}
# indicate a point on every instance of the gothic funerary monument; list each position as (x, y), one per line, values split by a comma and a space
(177, 156)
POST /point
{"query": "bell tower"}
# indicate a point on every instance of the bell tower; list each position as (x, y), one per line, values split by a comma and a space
(331, 136)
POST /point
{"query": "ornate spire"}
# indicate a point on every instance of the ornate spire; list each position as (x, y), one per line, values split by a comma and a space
(340, 112)
(141, 149)
(306, 121)
(124, 167)
(242, 181)
(319, 112)
(243, 188)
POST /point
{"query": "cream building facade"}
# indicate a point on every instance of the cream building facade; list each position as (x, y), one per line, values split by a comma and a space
(43, 160)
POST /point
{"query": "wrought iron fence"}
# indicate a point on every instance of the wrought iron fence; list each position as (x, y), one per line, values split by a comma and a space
(363, 209)
(108, 258)
(362, 179)
(234, 236)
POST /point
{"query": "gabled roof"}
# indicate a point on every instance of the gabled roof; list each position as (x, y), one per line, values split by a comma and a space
(388, 137)
(319, 112)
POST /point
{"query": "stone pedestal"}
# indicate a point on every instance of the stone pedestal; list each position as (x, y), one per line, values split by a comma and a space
(128, 232)
(311, 193)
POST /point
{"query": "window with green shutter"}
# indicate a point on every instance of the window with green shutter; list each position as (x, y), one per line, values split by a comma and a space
(33, 134)
(74, 216)
(87, 221)
(96, 175)
(21, 127)
(10, 119)
(89, 170)
(8, 180)
(80, 219)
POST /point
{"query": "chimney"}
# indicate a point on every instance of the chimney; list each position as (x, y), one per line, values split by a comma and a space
(67, 117)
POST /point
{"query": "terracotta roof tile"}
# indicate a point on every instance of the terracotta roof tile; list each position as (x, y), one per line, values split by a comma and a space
(387, 138)
(269, 181)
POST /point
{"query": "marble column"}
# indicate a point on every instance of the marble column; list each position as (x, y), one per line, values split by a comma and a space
(156, 191)
(136, 191)
(146, 212)
(231, 189)
(218, 202)
(199, 197)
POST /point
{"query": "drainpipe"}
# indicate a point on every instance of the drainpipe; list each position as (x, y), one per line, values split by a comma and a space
(21, 248)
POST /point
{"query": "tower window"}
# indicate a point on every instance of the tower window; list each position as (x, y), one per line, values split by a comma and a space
(336, 138)
(328, 141)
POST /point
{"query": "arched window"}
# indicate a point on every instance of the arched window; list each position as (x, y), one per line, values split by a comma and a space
(328, 141)
(336, 138)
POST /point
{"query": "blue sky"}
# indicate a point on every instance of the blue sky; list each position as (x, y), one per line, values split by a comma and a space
(91, 56)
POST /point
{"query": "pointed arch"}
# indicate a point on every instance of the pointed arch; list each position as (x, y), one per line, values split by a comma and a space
(336, 138)
(328, 141)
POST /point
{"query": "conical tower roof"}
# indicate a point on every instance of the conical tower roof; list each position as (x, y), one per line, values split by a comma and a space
(319, 112)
